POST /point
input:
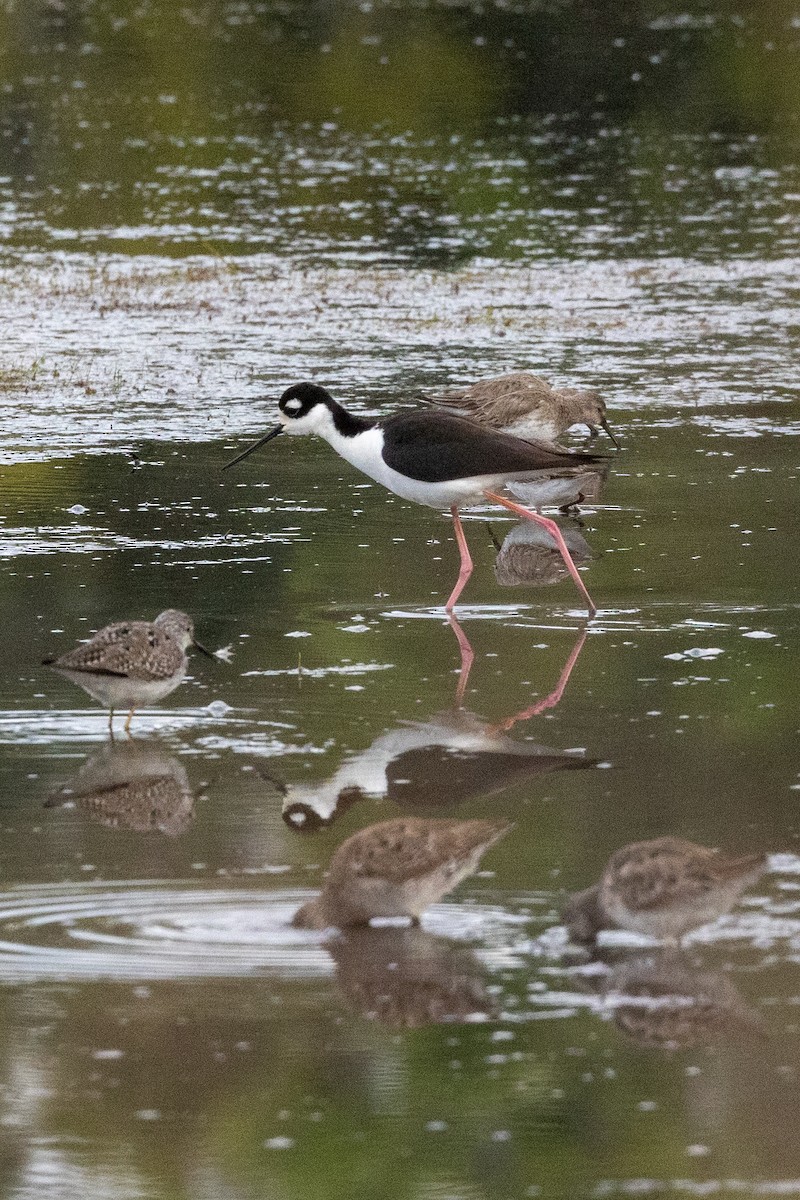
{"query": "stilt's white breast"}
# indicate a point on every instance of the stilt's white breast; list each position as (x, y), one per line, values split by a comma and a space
(365, 452)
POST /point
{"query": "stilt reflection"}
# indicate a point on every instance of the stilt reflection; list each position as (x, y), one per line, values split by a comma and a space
(453, 756)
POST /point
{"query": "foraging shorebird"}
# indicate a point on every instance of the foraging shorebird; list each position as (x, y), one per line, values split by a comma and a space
(526, 406)
(398, 869)
(662, 889)
(131, 663)
(437, 459)
(131, 786)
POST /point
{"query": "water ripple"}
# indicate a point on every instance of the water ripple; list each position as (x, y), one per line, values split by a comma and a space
(146, 930)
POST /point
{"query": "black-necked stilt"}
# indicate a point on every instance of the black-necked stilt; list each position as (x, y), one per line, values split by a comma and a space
(662, 888)
(526, 406)
(436, 459)
(398, 869)
(131, 663)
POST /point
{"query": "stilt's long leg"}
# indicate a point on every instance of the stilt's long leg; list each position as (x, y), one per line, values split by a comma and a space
(553, 698)
(554, 532)
(111, 723)
(466, 560)
(467, 659)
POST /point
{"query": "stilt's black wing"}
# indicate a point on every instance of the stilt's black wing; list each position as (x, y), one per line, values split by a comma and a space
(434, 447)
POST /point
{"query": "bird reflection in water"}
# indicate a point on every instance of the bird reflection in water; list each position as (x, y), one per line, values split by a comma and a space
(407, 978)
(528, 555)
(131, 786)
(667, 1000)
(452, 757)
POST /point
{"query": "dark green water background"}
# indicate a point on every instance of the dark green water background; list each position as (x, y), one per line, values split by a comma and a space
(201, 203)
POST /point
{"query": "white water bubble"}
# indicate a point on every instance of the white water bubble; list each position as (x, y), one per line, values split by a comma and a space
(695, 652)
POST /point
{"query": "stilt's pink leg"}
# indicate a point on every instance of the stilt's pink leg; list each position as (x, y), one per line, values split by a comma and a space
(466, 561)
(549, 701)
(467, 659)
(555, 533)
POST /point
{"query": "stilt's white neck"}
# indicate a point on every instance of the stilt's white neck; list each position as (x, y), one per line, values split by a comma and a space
(362, 450)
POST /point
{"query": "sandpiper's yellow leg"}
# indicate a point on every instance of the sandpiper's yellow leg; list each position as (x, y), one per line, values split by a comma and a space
(128, 723)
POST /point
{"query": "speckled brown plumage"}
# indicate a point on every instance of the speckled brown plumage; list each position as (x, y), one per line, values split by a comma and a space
(398, 868)
(131, 663)
(662, 888)
(648, 874)
(141, 650)
(524, 404)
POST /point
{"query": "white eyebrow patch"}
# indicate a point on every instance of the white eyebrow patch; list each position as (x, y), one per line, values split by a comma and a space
(293, 405)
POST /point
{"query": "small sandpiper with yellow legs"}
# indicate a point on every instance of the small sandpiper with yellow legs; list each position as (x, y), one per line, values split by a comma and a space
(131, 663)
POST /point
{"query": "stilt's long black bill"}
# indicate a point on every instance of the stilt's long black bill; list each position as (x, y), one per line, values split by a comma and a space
(604, 423)
(262, 441)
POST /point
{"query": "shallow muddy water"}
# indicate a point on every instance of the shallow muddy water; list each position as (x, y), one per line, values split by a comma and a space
(166, 1030)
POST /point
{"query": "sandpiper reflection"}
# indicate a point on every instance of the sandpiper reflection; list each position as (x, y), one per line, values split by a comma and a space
(665, 1000)
(452, 757)
(131, 786)
(398, 869)
(407, 978)
(662, 889)
(529, 556)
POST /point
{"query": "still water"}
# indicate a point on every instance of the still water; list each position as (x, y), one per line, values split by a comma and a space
(184, 238)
